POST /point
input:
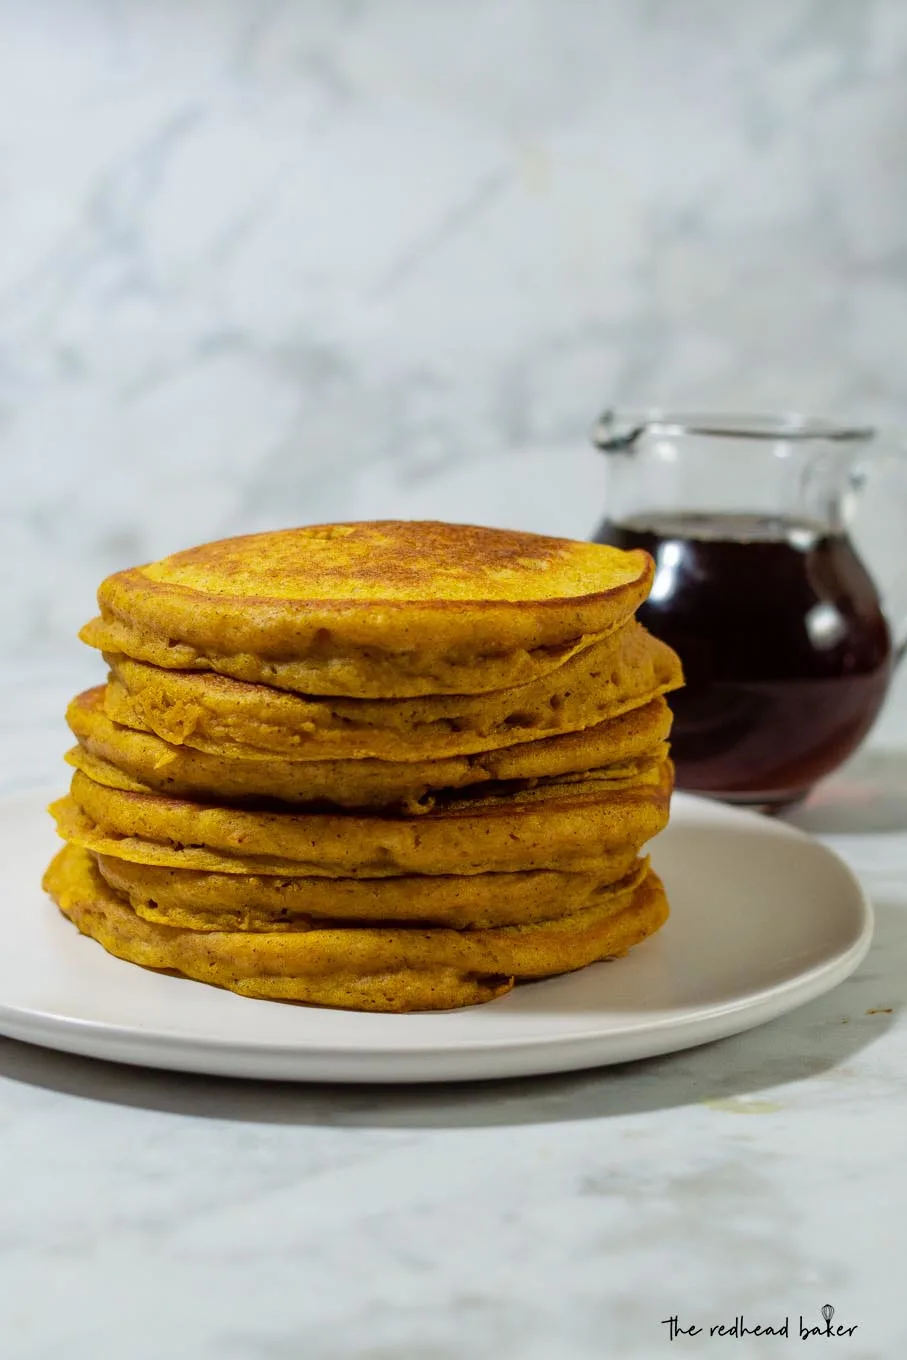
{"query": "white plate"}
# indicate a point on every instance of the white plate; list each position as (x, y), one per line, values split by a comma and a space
(763, 919)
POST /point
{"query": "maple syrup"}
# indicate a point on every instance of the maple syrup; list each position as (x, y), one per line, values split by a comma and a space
(786, 652)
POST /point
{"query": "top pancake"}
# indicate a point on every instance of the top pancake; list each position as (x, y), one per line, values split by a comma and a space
(377, 609)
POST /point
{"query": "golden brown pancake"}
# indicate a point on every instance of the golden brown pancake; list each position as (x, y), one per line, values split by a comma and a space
(385, 766)
(231, 718)
(565, 827)
(209, 901)
(388, 609)
(146, 763)
(355, 968)
(622, 776)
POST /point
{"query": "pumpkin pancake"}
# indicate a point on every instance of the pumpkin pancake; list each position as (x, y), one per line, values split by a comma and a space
(624, 775)
(401, 969)
(556, 826)
(257, 902)
(386, 609)
(231, 718)
(145, 763)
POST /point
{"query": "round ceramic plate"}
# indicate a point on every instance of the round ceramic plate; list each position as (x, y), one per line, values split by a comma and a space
(763, 919)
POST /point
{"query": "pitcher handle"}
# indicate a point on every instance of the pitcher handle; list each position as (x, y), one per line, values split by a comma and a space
(891, 466)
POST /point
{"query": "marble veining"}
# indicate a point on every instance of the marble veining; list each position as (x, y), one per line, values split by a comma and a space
(563, 1216)
(265, 263)
(274, 262)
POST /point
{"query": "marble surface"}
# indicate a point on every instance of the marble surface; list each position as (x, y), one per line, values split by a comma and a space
(147, 1214)
(266, 261)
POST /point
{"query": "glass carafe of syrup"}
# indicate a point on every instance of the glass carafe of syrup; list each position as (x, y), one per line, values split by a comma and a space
(786, 650)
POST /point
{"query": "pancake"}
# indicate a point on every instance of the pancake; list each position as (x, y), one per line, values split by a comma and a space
(143, 762)
(564, 827)
(387, 609)
(351, 967)
(624, 775)
(210, 901)
(226, 717)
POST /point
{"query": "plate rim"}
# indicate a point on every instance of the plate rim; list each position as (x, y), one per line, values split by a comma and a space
(224, 1056)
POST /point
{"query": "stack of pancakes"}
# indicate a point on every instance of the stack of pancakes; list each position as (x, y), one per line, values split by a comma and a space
(384, 766)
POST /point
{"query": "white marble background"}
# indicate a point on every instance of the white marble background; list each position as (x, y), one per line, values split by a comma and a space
(265, 261)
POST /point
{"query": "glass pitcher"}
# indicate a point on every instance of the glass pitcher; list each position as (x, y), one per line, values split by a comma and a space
(786, 650)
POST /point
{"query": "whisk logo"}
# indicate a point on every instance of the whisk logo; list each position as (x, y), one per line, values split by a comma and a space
(827, 1327)
(741, 1326)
